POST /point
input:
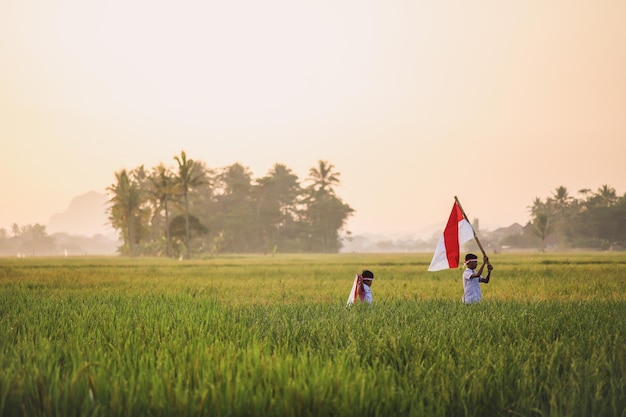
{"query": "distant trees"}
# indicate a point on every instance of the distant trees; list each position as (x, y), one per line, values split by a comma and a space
(127, 198)
(226, 210)
(325, 213)
(229, 211)
(541, 220)
(279, 208)
(162, 190)
(28, 240)
(596, 220)
(190, 176)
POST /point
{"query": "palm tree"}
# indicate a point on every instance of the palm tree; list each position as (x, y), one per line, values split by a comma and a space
(324, 177)
(190, 175)
(325, 213)
(163, 189)
(125, 206)
(606, 196)
(561, 198)
(541, 219)
(537, 207)
(542, 227)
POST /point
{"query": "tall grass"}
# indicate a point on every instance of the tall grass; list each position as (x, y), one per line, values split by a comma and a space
(271, 336)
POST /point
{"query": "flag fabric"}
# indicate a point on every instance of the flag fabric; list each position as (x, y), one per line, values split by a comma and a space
(354, 292)
(457, 232)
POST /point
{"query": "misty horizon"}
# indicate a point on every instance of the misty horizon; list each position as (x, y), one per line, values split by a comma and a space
(85, 220)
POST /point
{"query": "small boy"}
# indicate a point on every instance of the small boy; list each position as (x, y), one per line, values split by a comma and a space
(365, 291)
(472, 278)
(361, 289)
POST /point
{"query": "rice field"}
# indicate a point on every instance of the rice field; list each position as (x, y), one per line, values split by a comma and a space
(271, 336)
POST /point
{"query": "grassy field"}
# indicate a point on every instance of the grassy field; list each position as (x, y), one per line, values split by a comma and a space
(271, 336)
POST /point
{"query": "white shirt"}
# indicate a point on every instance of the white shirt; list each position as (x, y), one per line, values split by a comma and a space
(368, 294)
(471, 287)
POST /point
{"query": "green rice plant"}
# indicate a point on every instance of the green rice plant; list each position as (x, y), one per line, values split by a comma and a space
(253, 335)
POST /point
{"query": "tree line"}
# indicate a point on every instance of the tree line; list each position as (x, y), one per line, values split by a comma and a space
(226, 210)
(33, 240)
(190, 209)
(595, 220)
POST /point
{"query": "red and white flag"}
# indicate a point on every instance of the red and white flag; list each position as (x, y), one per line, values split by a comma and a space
(354, 292)
(457, 232)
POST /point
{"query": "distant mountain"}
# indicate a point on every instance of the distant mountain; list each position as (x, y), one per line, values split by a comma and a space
(85, 216)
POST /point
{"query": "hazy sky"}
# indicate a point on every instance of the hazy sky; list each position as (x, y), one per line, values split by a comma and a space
(413, 102)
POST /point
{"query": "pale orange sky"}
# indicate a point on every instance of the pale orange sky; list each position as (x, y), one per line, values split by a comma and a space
(413, 102)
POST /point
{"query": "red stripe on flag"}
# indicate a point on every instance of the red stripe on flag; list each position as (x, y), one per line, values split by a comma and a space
(451, 236)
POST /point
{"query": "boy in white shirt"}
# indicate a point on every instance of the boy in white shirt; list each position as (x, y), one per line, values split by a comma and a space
(365, 292)
(361, 288)
(472, 278)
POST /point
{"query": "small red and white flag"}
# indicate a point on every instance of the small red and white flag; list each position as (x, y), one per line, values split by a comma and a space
(457, 232)
(354, 292)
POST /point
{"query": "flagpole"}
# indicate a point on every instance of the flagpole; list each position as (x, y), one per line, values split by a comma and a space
(473, 231)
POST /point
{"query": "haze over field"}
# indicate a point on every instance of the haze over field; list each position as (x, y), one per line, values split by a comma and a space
(413, 102)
